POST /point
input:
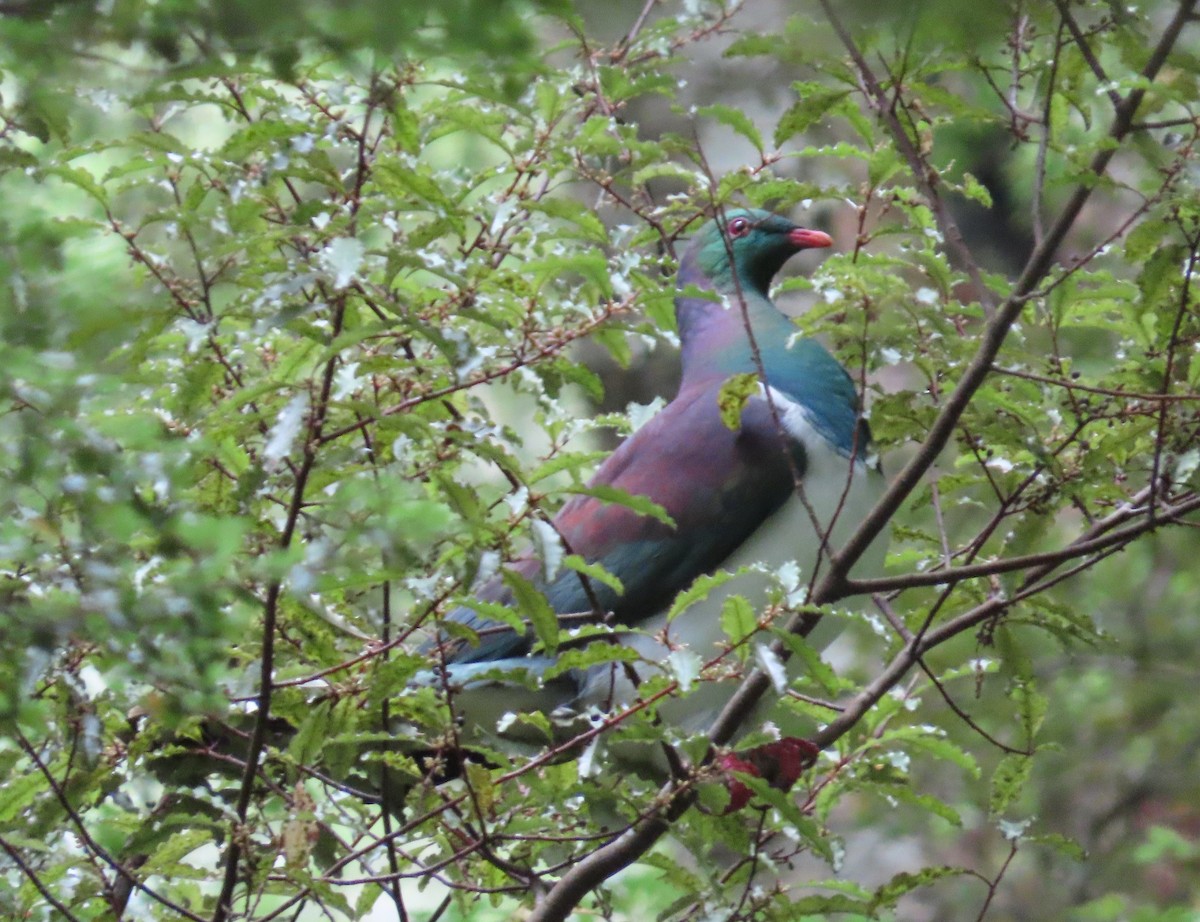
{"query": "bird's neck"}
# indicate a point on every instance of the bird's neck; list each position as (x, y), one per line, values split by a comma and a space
(720, 338)
(716, 344)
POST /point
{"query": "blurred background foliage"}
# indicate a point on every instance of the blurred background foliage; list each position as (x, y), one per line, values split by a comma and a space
(309, 310)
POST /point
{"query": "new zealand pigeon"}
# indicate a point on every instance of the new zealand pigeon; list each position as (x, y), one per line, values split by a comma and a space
(731, 494)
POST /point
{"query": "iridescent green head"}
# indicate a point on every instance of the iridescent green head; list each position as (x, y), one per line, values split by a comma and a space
(756, 242)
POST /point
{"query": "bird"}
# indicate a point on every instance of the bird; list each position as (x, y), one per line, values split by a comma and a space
(785, 474)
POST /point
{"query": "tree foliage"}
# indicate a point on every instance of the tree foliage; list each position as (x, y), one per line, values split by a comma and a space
(291, 361)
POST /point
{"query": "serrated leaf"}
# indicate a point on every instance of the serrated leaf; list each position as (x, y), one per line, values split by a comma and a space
(736, 119)
(814, 103)
(19, 795)
(904, 883)
(311, 735)
(815, 668)
(479, 778)
(1143, 240)
(576, 212)
(593, 571)
(884, 163)
(568, 461)
(732, 398)
(1032, 705)
(800, 822)
(976, 191)
(698, 591)
(533, 605)
(926, 802)
(591, 655)
(738, 619)
(493, 611)
(642, 505)
(617, 344)
(167, 854)
(1008, 780)
(81, 179)
(947, 751)
(685, 665)
(1060, 844)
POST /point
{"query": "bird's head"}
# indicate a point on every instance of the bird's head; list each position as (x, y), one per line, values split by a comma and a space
(754, 242)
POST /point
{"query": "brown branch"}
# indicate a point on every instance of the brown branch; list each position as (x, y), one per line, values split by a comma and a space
(270, 617)
(994, 885)
(924, 175)
(1039, 177)
(963, 715)
(85, 837)
(1025, 562)
(1160, 435)
(1126, 396)
(1085, 49)
(551, 348)
(29, 872)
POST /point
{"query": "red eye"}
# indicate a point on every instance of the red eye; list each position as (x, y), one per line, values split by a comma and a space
(739, 227)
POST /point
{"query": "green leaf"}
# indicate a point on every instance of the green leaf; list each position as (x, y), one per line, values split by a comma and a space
(814, 103)
(734, 394)
(311, 735)
(736, 119)
(738, 619)
(593, 654)
(20, 794)
(1032, 707)
(532, 604)
(699, 589)
(593, 571)
(617, 343)
(82, 179)
(926, 802)
(574, 211)
(801, 823)
(815, 668)
(1143, 240)
(905, 883)
(568, 461)
(1060, 844)
(947, 751)
(167, 854)
(479, 780)
(1008, 781)
(642, 505)
(976, 191)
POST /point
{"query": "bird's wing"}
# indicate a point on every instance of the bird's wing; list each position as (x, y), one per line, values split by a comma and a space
(717, 485)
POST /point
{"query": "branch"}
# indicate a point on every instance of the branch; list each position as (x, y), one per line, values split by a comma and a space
(1081, 548)
(85, 837)
(1086, 50)
(271, 610)
(29, 872)
(925, 177)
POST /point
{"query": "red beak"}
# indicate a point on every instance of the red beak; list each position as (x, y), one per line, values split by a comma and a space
(804, 239)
